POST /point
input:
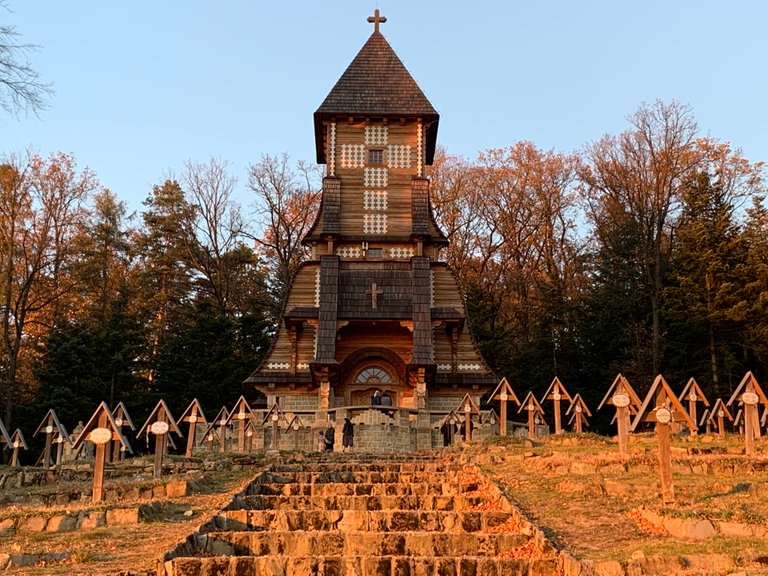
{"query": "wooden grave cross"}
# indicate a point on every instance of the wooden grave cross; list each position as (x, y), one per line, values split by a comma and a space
(100, 430)
(627, 403)
(18, 442)
(491, 417)
(193, 415)
(273, 417)
(295, 424)
(556, 392)
(504, 393)
(467, 407)
(159, 423)
(693, 394)
(5, 438)
(720, 413)
(705, 421)
(220, 423)
(578, 411)
(53, 429)
(662, 406)
(750, 394)
(123, 420)
(242, 413)
(535, 413)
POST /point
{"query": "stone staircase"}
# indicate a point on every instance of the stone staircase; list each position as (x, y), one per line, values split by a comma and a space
(365, 515)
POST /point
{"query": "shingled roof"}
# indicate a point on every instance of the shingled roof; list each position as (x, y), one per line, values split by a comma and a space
(377, 84)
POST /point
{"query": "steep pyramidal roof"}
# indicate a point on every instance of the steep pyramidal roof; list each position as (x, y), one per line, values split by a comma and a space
(377, 84)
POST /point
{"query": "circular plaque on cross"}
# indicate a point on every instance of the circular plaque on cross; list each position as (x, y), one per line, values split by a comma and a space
(159, 428)
(503, 397)
(275, 417)
(241, 415)
(49, 429)
(721, 413)
(556, 396)
(467, 408)
(118, 421)
(750, 398)
(663, 416)
(620, 400)
(249, 433)
(578, 409)
(296, 426)
(17, 444)
(100, 435)
(693, 397)
(531, 407)
(192, 419)
(222, 422)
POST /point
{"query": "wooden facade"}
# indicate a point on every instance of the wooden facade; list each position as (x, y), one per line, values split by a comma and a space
(375, 308)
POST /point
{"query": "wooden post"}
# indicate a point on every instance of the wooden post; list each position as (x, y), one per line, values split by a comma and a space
(721, 423)
(578, 419)
(621, 401)
(15, 454)
(663, 417)
(101, 441)
(273, 443)
(531, 423)
(191, 435)
(558, 426)
(503, 416)
(692, 399)
(241, 433)
(48, 444)
(750, 400)
(467, 422)
(296, 435)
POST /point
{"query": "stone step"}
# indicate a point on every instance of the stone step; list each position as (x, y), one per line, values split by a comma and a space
(365, 565)
(337, 543)
(280, 502)
(361, 520)
(352, 489)
(334, 476)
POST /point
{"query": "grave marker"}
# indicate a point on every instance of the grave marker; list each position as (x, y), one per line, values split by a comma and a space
(123, 420)
(100, 430)
(556, 392)
(51, 426)
(193, 415)
(504, 393)
(750, 394)
(579, 412)
(467, 407)
(243, 414)
(627, 403)
(18, 442)
(5, 438)
(693, 394)
(719, 413)
(273, 416)
(662, 406)
(295, 424)
(159, 423)
(220, 423)
(535, 413)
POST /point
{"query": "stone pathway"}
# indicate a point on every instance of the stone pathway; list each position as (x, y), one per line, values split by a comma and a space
(366, 515)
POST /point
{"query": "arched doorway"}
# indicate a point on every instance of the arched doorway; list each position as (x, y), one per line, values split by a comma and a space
(367, 381)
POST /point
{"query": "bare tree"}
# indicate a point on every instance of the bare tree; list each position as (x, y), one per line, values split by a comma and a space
(20, 85)
(287, 203)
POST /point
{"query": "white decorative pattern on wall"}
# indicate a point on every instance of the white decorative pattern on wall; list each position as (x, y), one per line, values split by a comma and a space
(399, 252)
(444, 367)
(375, 223)
(420, 148)
(350, 252)
(376, 135)
(432, 288)
(352, 155)
(278, 366)
(375, 200)
(332, 150)
(399, 156)
(375, 178)
(469, 367)
(317, 288)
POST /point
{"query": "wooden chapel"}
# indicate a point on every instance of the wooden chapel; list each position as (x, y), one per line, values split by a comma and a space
(374, 308)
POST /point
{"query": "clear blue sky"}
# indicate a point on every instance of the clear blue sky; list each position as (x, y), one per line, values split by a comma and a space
(143, 86)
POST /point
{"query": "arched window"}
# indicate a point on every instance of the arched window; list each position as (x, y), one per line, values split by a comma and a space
(373, 376)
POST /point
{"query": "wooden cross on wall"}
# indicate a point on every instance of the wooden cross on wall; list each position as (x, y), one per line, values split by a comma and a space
(375, 292)
(376, 19)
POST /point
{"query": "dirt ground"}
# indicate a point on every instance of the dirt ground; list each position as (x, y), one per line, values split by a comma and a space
(577, 488)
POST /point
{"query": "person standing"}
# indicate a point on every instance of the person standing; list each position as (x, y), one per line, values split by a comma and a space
(347, 435)
(329, 437)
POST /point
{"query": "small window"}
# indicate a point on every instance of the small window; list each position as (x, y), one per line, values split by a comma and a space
(375, 156)
(374, 253)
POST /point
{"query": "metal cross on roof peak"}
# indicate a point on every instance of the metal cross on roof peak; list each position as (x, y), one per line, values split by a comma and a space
(376, 19)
